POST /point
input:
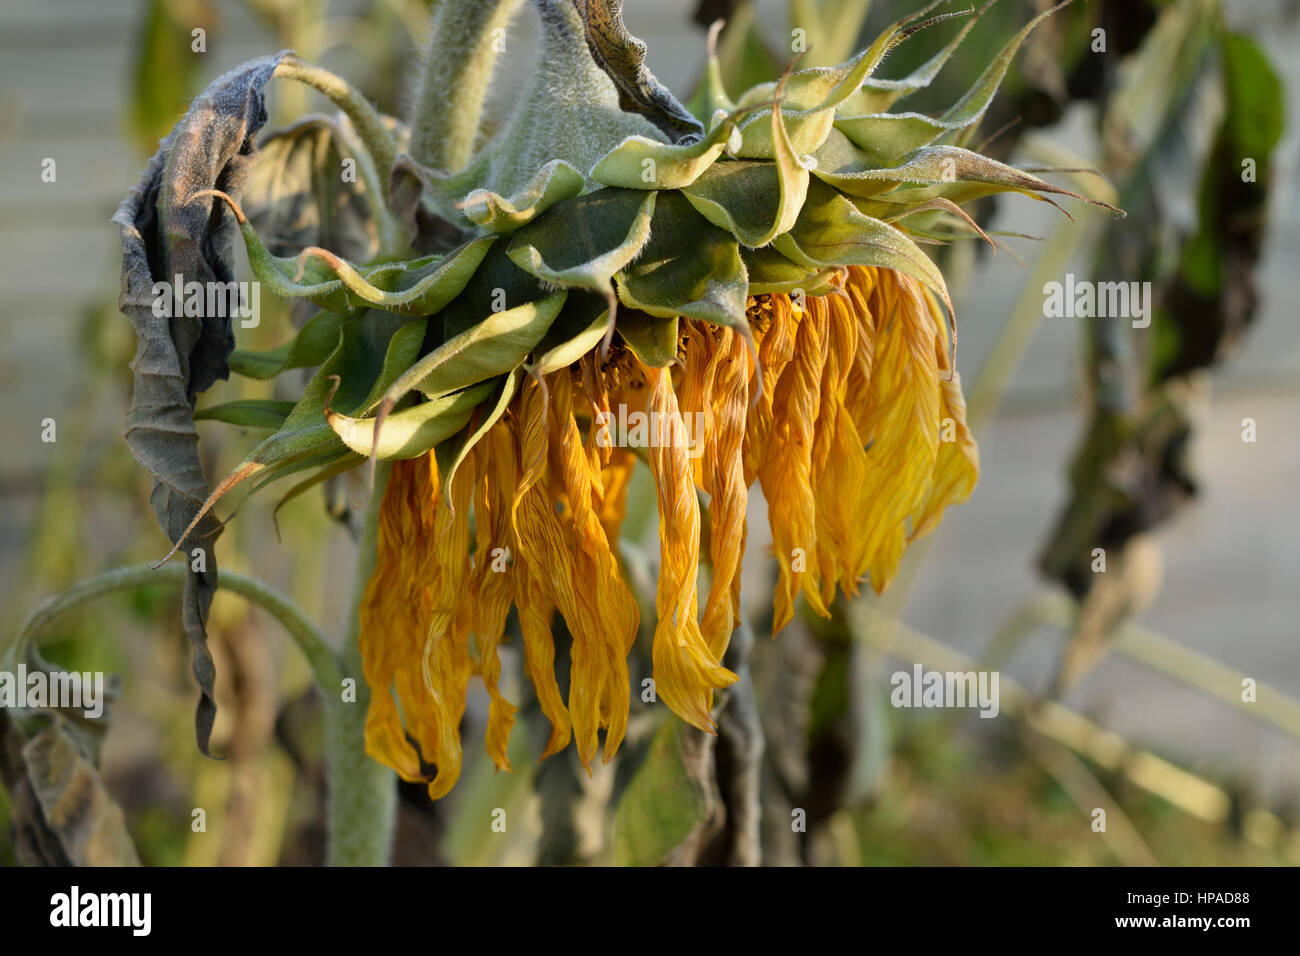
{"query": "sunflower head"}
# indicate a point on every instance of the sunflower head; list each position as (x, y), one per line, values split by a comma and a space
(610, 281)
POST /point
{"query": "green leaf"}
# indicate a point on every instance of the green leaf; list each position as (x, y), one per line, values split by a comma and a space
(878, 94)
(413, 287)
(412, 431)
(689, 267)
(451, 454)
(577, 330)
(754, 201)
(832, 232)
(949, 169)
(404, 347)
(373, 349)
(662, 804)
(651, 338)
(492, 347)
(885, 138)
(311, 346)
(746, 199)
(497, 284)
(556, 180)
(372, 352)
(583, 241)
(811, 97)
(250, 413)
(769, 271)
(642, 163)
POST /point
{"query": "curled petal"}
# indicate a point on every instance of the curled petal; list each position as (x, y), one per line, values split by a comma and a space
(493, 585)
(724, 480)
(686, 670)
(608, 613)
(785, 472)
(902, 424)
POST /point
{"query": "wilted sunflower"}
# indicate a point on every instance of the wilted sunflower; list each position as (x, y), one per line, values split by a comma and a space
(607, 253)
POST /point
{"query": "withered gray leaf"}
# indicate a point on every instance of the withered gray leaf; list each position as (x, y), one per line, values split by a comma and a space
(75, 803)
(177, 357)
(63, 814)
(622, 57)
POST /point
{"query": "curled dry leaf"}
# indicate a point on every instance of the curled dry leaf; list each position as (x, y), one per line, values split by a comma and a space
(179, 356)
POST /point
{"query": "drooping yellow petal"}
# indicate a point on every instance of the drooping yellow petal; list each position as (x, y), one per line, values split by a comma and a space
(596, 390)
(686, 671)
(839, 459)
(446, 649)
(695, 386)
(774, 323)
(493, 587)
(724, 481)
(607, 625)
(957, 468)
(534, 596)
(902, 424)
(615, 479)
(857, 399)
(543, 546)
(785, 471)
(392, 622)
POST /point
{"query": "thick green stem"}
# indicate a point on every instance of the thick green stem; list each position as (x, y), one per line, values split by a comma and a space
(363, 792)
(467, 39)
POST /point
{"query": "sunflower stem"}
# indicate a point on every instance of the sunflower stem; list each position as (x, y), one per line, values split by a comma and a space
(365, 118)
(282, 608)
(467, 38)
(363, 792)
(739, 725)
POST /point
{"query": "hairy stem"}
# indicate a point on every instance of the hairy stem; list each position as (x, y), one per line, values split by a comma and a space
(365, 118)
(283, 609)
(378, 148)
(363, 792)
(467, 39)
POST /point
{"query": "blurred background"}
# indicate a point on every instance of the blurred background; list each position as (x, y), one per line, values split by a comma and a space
(1090, 435)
